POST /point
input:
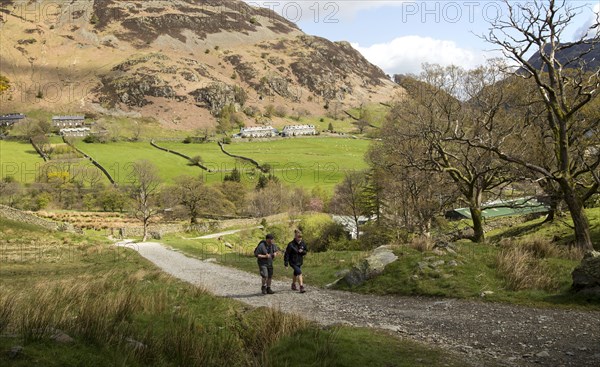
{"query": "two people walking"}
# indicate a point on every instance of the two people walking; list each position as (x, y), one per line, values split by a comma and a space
(267, 251)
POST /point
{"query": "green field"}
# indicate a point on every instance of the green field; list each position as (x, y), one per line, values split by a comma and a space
(117, 159)
(19, 160)
(212, 157)
(307, 162)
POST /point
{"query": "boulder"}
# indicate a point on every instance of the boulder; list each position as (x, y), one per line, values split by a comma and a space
(586, 276)
(371, 266)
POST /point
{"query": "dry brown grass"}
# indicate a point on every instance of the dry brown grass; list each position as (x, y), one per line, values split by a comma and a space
(521, 269)
(541, 248)
(7, 305)
(102, 310)
(572, 253)
(421, 244)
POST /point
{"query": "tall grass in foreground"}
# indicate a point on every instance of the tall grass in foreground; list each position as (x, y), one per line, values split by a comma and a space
(146, 328)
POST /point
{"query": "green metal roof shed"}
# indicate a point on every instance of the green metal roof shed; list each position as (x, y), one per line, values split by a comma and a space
(502, 208)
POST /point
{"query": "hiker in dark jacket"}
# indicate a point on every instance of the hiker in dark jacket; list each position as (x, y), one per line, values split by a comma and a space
(294, 256)
(265, 252)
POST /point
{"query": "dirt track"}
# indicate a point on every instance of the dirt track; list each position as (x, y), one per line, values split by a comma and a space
(484, 332)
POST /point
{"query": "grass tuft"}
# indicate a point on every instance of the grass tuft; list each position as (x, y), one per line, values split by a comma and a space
(521, 269)
(421, 244)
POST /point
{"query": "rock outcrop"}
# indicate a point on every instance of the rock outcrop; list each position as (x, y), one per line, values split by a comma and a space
(586, 276)
(371, 266)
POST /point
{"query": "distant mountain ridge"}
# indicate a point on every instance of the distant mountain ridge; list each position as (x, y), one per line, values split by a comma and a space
(569, 57)
(178, 61)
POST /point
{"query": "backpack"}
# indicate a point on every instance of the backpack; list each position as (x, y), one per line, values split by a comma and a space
(256, 249)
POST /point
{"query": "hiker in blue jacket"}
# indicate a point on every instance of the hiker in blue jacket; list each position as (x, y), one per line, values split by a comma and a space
(294, 256)
(265, 252)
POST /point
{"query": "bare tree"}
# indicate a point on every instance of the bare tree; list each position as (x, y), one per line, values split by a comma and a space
(410, 198)
(136, 131)
(565, 86)
(145, 184)
(191, 193)
(198, 198)
(9, 190)
(270, 199)
(348, 198)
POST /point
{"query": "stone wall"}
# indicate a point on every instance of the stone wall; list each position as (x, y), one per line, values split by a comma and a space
(29, 218)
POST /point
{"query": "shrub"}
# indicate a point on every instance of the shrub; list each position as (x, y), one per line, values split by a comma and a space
(269, 110)
(280, 111)
(281, 234)
(373, 236)
(194, 161)
(322, 233)
(251, 111)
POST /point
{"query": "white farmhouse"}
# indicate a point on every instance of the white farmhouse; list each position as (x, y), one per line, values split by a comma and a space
(68, 121)
(76, 132)
(258, 132)
(297, 130)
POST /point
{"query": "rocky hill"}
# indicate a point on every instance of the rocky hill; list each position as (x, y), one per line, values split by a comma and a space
(586, 56)
(179, 61)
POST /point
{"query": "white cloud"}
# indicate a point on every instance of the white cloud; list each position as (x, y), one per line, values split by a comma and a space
(405, 55)
(584, 30)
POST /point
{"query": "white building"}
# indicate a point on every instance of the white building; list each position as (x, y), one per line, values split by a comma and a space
(68, 121)
(76, 132)
(258, 132)
(349, 224)
(297, 130)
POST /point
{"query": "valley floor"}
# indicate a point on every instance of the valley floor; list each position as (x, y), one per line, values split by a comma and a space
(488, 333)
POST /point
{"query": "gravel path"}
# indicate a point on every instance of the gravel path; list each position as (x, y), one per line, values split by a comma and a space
(484, 332)
(217, 235)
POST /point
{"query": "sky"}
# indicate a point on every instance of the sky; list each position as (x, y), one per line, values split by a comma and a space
(399, 36)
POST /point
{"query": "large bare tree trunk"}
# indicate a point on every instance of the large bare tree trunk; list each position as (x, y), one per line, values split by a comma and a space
(477, 224)
(583, 238)
(145, 236)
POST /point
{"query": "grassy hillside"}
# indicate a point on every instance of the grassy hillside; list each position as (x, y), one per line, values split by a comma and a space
(67, 300)
(528, 263)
